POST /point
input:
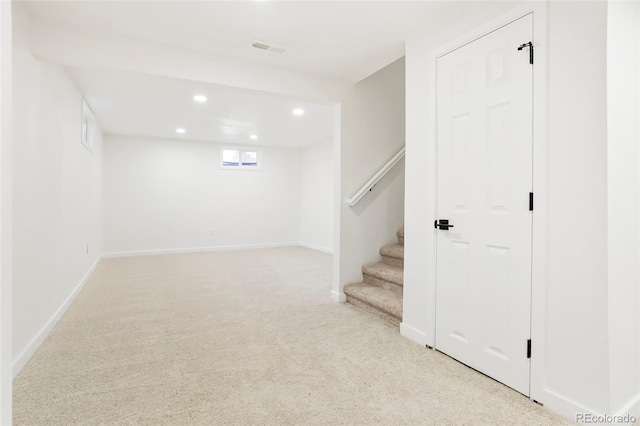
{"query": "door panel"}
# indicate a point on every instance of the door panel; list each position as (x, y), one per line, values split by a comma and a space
(484, 121)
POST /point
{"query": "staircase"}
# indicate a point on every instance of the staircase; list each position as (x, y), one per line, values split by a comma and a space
(381, 291)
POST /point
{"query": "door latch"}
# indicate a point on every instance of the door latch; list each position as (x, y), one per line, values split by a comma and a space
(442, 224)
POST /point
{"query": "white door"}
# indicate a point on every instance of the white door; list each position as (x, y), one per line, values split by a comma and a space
(485, 142)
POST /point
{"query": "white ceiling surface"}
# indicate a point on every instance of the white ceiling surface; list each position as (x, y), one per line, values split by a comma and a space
(346, 40)
(341, 40)
(129, 103)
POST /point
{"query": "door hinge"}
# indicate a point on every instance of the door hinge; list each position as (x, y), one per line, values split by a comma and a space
(529, 348)
(530, 45)
(531, 201)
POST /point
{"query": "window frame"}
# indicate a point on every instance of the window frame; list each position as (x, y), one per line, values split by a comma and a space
(259, 159)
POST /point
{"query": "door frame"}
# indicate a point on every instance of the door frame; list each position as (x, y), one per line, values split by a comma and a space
(540, 219)
(6, 353)
(437, 189)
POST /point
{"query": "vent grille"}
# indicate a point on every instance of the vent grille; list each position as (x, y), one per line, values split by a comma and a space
(259, 45)
(269, 47)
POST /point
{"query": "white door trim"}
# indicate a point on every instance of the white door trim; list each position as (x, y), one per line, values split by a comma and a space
(6, 353)
(540, 187)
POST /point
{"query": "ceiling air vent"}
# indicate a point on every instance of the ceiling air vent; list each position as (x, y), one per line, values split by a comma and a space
(270, 47)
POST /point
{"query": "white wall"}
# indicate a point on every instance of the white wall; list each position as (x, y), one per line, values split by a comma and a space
(571, 352)
(316, 198)
(623, 116)
(164, 194)
(6, 355)
(372, 132)
(577, 364)
(57, 184)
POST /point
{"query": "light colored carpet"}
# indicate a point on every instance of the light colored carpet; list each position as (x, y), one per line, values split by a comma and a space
(244, 337)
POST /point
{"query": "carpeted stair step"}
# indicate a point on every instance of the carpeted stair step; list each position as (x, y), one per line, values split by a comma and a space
(381, 302)
(380, 293)
(384, 276)
(393, 255)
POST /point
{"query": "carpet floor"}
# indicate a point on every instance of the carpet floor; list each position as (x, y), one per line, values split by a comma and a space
(244, 337)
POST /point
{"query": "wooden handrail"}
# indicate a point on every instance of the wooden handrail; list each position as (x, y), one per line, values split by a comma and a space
(367, 187)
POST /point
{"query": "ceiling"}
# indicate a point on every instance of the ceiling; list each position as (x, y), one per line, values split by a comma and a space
(130, 103)
(340, 41)
(346, 40)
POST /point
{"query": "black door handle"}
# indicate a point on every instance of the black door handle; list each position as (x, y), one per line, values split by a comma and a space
(442, 224)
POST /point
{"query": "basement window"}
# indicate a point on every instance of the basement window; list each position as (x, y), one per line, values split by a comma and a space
(87, 126)
(240, 159)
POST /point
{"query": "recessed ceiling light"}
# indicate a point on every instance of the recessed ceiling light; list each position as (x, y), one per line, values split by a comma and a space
(298, 111)
(180, 130)
(200, 98)
(253, 136)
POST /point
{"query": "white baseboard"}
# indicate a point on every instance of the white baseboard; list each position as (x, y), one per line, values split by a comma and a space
(570, 409)
(413, 334)
(564, 406)
(632, 408)
(196, 249)
(35, 343)
(315, 247)
(338, 297)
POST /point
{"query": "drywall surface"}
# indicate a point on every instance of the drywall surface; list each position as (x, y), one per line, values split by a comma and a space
(623, 115)
(6, 355)
(75, 46)
(57, 198)
(316, 198)
(169, 194)
(574, 312)
(373, 124)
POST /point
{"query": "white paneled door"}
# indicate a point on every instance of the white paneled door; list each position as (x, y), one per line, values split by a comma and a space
(485, 142)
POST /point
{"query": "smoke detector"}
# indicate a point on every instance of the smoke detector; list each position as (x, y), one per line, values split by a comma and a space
(270, 47)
